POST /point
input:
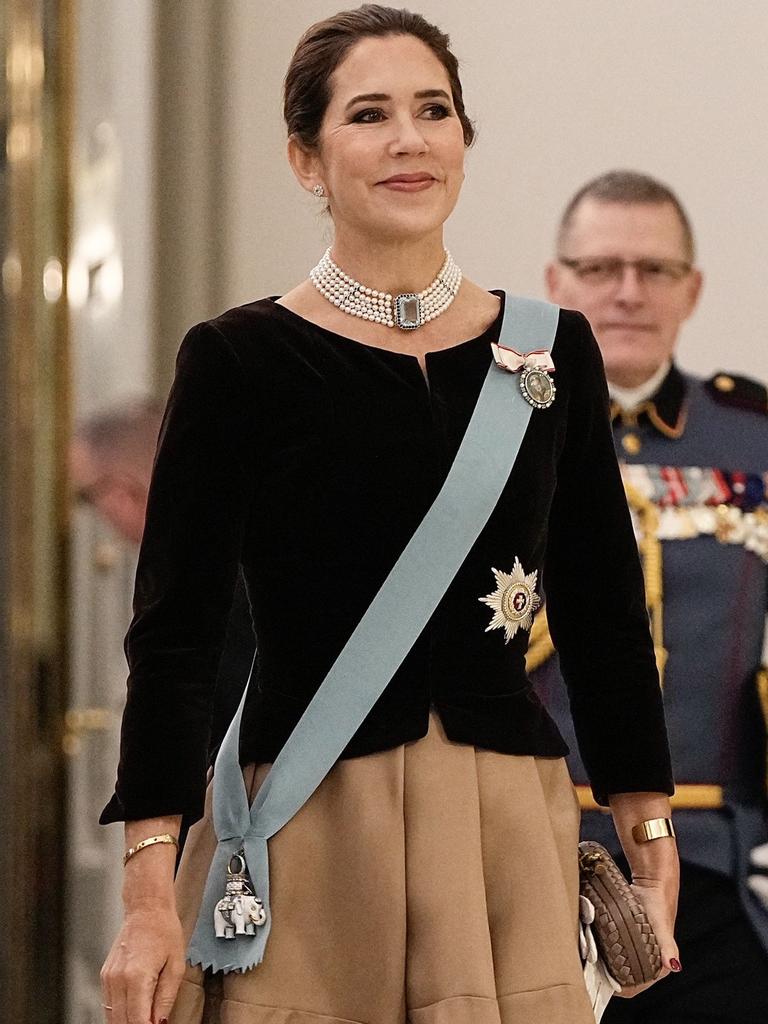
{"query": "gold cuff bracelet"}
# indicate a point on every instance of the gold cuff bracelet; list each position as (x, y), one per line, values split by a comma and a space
(654, 828)
(166, 837)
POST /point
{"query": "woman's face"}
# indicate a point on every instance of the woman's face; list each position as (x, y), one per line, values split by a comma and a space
(391, 150)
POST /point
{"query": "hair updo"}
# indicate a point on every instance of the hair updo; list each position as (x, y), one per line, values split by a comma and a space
(324, 46)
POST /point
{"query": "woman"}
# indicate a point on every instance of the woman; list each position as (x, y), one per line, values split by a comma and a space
(432, 875)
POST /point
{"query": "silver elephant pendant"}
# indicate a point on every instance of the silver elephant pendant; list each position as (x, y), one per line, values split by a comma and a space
(239, 911)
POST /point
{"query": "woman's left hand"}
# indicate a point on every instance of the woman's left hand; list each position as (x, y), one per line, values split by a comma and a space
(655, 874)
(659, 897)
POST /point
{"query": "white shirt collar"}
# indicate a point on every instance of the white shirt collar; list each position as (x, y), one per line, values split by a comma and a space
(630, 398)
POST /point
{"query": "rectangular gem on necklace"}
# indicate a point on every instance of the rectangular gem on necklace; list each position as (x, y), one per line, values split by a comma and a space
(408, 311)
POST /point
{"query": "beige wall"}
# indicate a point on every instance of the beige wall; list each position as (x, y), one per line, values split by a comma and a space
(561, 90)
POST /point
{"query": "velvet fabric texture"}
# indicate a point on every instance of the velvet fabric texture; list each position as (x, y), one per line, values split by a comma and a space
(309, 459)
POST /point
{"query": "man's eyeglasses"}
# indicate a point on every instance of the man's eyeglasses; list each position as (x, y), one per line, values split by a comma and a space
(605, 270)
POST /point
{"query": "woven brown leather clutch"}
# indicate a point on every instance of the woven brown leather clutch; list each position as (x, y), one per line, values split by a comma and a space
(622, 931)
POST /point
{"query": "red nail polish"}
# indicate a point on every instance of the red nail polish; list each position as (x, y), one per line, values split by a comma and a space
(674, 963)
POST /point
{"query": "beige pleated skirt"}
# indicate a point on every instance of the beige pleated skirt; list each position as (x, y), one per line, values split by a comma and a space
(434, 883)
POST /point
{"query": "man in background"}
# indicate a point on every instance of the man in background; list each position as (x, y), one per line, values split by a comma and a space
(111, 459)
(111, 463)
(694, 457)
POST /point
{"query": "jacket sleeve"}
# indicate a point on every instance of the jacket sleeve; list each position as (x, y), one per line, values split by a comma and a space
(188, 562)
(596, 597)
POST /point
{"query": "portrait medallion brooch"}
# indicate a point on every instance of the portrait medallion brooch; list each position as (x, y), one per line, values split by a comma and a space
(514, 601)
(537, 387)
(536, 384)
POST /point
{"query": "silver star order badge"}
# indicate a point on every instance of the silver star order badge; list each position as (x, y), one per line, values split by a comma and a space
(514, 601)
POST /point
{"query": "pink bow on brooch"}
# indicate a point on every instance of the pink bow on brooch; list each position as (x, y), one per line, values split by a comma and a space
(509, 359)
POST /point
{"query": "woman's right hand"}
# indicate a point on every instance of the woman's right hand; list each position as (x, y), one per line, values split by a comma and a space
(143, 971)
(144, 968)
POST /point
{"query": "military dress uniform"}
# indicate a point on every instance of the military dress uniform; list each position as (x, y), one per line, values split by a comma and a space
(694, 460)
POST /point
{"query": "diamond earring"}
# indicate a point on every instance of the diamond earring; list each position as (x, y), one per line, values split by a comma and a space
(318, 191)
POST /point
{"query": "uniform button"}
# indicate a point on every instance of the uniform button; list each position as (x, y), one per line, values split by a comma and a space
(631, 444)
(724, 383)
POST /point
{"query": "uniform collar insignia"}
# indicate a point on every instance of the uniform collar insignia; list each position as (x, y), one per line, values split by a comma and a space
(666, 411)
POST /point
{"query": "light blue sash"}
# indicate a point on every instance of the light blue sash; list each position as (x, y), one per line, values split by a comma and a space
(374, 652)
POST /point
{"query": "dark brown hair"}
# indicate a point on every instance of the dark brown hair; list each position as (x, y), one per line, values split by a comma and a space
(627, 187)
(325, 45)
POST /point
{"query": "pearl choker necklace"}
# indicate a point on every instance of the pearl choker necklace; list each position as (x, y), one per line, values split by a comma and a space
(407, 311)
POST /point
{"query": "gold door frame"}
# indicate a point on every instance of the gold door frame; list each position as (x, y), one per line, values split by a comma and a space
(36, 37)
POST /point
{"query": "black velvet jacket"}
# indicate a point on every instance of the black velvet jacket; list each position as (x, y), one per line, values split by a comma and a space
(311, 459)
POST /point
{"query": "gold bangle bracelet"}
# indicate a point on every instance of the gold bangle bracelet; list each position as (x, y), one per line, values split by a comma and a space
(654, 828)
(166, 837)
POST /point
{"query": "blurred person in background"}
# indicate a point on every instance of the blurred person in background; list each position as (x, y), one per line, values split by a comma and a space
(111, 458)
(111, 463)
(694, 456)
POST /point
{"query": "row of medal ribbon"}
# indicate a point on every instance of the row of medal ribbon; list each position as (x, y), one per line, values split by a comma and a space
(697, 485)
(693, 501)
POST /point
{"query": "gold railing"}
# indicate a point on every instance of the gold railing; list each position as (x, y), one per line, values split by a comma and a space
(687, 796)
